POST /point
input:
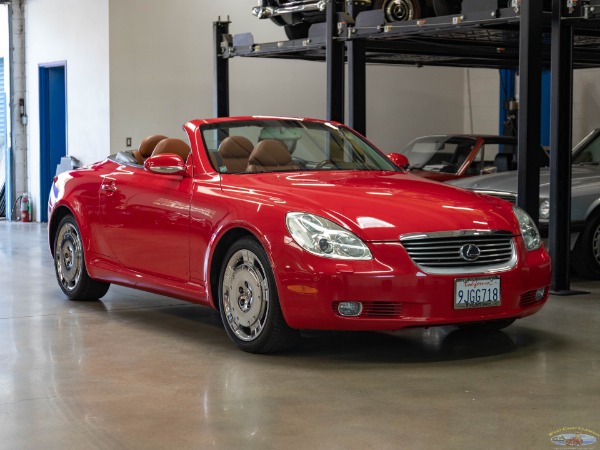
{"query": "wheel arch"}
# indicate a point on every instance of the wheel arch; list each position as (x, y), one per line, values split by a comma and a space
(57, 215)
(592, 210)
(218, 256)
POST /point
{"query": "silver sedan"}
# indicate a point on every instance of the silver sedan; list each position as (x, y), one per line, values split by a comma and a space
(585, 201)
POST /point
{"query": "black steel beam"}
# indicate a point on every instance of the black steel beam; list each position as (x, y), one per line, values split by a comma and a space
(530, 97)
(335, 62)
(561, 114)
(221, 70)
(357, 79)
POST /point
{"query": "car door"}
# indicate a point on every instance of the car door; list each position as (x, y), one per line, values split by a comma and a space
(146, 218)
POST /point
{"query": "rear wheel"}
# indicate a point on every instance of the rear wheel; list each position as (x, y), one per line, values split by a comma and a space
(447, 7)
(249, 303)
(399, 10)
(586, 254)
(69, 264)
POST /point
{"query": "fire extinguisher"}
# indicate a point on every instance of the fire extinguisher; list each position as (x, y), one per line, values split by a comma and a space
(25, 208)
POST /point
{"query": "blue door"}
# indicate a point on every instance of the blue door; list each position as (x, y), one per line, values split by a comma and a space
(53, 127)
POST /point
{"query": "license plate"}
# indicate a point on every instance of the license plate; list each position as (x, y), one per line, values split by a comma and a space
(476, 292)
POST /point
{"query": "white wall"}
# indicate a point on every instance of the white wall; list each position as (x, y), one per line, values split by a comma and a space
(162, 75)
(484, 100)
(81, 41)
(586, 103)
(481, 101)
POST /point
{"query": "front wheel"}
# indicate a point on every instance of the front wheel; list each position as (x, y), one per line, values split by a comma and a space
(586, 254)
(399, 10)
(69, 264)
(249, 303)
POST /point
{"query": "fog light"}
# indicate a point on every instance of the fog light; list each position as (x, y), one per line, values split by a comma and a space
(350, 308)
(539, 294)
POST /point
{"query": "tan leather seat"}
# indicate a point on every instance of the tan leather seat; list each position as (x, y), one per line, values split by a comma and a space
(234, 152)
(146, 148)
(269, 155)
(174, 146)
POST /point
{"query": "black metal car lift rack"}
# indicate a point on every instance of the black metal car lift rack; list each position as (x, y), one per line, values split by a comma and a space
(522, 37)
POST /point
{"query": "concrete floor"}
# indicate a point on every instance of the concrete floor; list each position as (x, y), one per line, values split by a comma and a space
(141, 371)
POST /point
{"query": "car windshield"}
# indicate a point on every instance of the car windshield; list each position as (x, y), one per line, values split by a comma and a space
(439, 153)
(448, 154)
(243, 146)
(588, 150)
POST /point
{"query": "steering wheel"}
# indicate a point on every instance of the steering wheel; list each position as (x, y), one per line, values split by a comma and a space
(449, 167)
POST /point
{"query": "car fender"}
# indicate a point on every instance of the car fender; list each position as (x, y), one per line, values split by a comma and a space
(223, 236)
(592, 208)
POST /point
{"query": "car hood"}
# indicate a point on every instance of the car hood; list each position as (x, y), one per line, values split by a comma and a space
(582, 177)
(378, 206)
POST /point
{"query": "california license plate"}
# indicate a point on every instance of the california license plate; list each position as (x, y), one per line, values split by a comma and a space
(476, 292)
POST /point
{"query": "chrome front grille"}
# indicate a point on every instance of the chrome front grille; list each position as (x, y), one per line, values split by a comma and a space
(464, 251)
(508, 196)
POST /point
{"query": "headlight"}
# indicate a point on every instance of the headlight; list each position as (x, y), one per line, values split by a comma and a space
(322, 237)
(529, 231)
(545, 209)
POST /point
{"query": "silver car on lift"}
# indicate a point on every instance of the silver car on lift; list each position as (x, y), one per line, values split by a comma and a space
(585, 201)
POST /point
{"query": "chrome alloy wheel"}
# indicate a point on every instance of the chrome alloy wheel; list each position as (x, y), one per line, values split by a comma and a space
(399, 10)
(68, 256)
(245, 295)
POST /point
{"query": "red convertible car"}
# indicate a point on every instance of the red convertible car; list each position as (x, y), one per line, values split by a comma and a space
(286, 224)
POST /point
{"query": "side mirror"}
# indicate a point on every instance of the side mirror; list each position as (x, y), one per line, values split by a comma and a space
(399, 160)
(166, 163)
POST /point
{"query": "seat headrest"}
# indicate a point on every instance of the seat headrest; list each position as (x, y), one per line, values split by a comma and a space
(174, 146)
(503, 161)
(235, 147)
(270, 153)
(149, 143)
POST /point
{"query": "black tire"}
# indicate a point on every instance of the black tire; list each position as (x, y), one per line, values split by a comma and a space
(447, 7)
(69, 264)
(249, 303)
(278, 20)
(400, 10)
(585, 259)
(493, 325)
(297, 31)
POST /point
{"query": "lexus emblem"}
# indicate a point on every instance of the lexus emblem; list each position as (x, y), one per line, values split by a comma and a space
(470, 252)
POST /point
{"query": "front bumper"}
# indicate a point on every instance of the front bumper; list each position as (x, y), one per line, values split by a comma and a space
(394, 292)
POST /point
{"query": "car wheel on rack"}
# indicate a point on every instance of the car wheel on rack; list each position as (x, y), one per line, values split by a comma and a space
(249, 303)
(69, 264)
(297, 31)
(586, 254)
(447, 7)
(399, 10)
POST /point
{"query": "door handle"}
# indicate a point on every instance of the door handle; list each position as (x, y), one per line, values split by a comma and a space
(109, 187)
